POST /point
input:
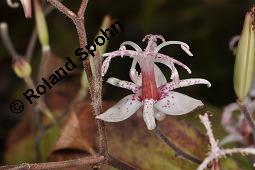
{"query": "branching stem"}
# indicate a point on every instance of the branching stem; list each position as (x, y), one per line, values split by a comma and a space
(90, 160)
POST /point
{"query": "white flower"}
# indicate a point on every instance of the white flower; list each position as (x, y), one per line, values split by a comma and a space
(150, 88)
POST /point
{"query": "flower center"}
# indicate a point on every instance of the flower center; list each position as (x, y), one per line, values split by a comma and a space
(149, 86)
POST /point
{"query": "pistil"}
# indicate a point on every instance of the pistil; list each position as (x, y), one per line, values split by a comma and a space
(149, 86)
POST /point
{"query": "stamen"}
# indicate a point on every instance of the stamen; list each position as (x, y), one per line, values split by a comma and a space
(184, 46)
(132, 44)
(164, 59)
(122, 48)
(113, 54)
(186, 49)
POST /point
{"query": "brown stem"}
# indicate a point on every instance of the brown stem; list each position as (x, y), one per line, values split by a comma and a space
(79, 24)
(50, 8)
(78, 21)
(215, 165)
(82, 8)
(62, 8)
(103, 148)
(90, 160)
(247, 115)
(177, 150)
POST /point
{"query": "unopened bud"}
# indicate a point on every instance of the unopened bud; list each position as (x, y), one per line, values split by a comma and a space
(22, 68)
(245, 54)
(41, 25)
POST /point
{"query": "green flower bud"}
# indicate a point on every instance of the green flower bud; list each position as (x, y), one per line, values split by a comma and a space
(41, 25)
(245, 54)
(22, 68)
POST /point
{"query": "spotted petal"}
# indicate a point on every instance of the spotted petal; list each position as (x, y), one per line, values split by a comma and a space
(123, 84)
(125, 108)
(233, 137)
(177, 104)
(148, 114)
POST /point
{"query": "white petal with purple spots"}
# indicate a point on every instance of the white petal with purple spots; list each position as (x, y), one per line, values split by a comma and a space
(125, 108)
(148, 114)
(177, 104)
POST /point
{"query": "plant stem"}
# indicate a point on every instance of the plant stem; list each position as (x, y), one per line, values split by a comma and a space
(82, 8)
(247, 115)
(7, 40)
(90, 160)
(102, 146)
(78, 20)
(177, 150)
(39, 134)
(33, 38)
(62, 8)
(31, 45)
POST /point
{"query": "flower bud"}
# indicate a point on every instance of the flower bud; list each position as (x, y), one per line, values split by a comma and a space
(41, 25)
(22, 68)
(245, 54)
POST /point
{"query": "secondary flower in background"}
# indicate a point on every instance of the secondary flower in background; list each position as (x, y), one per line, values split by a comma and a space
(243, 75)
(239, 130)
(150, 87)
(216, 153)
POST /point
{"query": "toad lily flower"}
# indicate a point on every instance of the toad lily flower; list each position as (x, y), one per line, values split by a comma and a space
(150, 88)
(238, 130)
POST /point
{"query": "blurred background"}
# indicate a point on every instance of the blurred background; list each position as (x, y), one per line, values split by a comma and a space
(206, 25)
